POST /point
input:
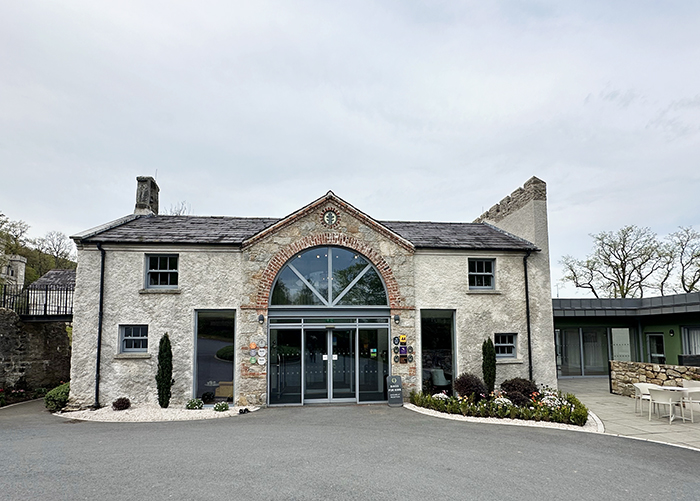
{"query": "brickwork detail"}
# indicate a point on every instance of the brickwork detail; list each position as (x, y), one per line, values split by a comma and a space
(336, 239)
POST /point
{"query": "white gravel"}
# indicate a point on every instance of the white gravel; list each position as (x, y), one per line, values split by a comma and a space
(593, 425)
(151, 414)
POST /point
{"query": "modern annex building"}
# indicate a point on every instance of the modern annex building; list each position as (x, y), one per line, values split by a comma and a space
(318, 306)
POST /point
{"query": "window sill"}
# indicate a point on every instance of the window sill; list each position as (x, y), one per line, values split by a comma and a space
(483, 291)
(508, 361)
(130, 356)
(160, 291)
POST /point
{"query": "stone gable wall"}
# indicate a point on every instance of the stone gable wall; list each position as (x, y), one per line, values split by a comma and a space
(623, 375)
(36, 354)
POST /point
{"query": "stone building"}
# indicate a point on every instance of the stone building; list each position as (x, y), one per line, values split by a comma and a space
(12, 269)
(318, 306)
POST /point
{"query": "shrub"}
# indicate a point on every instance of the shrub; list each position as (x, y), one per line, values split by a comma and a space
(208, 397)
(226, 353)
(56, 399)
(579, 415)
(524, 386)
(518, 398)
(39, 392)
(194, 404)
(467, 385)
(221, 407)
(488, 364)
(2, 397)
(121, 404)
(164, 377)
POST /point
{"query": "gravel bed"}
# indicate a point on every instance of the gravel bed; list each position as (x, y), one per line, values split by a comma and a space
(592, 425)
(151, 414)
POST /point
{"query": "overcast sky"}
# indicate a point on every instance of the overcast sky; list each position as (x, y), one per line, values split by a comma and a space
(408, 110)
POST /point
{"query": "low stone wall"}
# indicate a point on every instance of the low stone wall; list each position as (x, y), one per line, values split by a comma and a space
(624, 374)
(32, 354)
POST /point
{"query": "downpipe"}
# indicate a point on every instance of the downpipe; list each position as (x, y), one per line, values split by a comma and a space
(100, 314)
(527, 316)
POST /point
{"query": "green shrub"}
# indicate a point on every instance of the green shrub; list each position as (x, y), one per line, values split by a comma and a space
(121, 404)
(226, 353)
(194, 404)
(467, 385)
(56, 399)
(2, 397)
(221, 407)
(488, 364)
(39, 393)
(524, 386)
(164, 376)
(518, 398)
(579, 414)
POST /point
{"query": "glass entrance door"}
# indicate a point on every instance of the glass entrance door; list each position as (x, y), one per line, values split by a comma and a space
(309, 363)
(315, 365)
(331, 352)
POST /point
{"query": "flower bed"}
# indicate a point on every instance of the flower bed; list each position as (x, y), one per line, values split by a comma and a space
(546, 405)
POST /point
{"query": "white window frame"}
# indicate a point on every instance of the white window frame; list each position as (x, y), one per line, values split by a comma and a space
(149, 270)
(475, 274)
(513, 345)
(123, 338)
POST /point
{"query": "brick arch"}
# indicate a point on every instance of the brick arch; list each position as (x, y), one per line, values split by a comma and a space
(274, 266)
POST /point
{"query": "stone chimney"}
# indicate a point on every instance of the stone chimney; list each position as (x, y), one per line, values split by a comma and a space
(146, 196)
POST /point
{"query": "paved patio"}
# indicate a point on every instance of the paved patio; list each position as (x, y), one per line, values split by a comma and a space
(617, 414)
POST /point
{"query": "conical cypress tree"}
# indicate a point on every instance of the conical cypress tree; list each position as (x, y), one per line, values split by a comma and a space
(164, 377)
(488, 364)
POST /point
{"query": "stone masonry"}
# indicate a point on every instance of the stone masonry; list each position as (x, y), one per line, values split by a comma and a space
(623, 375)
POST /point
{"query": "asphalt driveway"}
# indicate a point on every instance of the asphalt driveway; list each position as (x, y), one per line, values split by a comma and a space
(337, 452)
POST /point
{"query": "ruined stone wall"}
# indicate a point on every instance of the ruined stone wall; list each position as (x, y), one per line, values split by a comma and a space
(623, 375)
(35, 354)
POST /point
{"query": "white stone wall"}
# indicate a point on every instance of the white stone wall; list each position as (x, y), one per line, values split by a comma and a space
(208, 279)
(442, 283)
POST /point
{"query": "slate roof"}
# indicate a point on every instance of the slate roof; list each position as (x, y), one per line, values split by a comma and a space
(627, 307)
(235, 230)
(55, 278)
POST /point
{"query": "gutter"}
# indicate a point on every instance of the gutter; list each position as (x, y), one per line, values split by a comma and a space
(527, 314)
(100, 314)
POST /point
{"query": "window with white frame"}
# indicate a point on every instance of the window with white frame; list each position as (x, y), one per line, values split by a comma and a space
(161, 271)
(691, 340)
(481, 273)
(133, 338)
(506, 345)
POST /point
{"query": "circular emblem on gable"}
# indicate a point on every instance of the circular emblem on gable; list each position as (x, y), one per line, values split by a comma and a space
(329, 217)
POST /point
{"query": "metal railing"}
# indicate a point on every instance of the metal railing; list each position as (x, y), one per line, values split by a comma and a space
(46, 300)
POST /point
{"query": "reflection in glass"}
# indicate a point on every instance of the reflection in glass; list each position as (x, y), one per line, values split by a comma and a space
(284, 358)
(304, 280)
(343, 363)
(315, 365)
(290, 289)
(595, 351)
(215, 355)
(570, 346)
(437, 350)
(373, 364)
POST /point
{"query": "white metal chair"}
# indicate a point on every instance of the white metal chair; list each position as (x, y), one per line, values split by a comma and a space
(641, 393)
(691, 397)
(666, 397)
(691, 383)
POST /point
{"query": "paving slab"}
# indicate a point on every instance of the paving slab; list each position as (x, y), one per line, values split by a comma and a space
(619, 418)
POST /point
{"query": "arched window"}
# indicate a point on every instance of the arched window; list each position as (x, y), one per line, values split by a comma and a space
(328, 276)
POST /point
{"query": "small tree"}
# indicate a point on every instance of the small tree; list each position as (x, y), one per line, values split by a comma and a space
(164, 377)
(488, 364)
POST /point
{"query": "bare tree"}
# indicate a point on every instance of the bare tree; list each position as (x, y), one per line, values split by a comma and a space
(180, 209)
(14, 236)
(56, 244)
(686, 242)
(623, 263)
